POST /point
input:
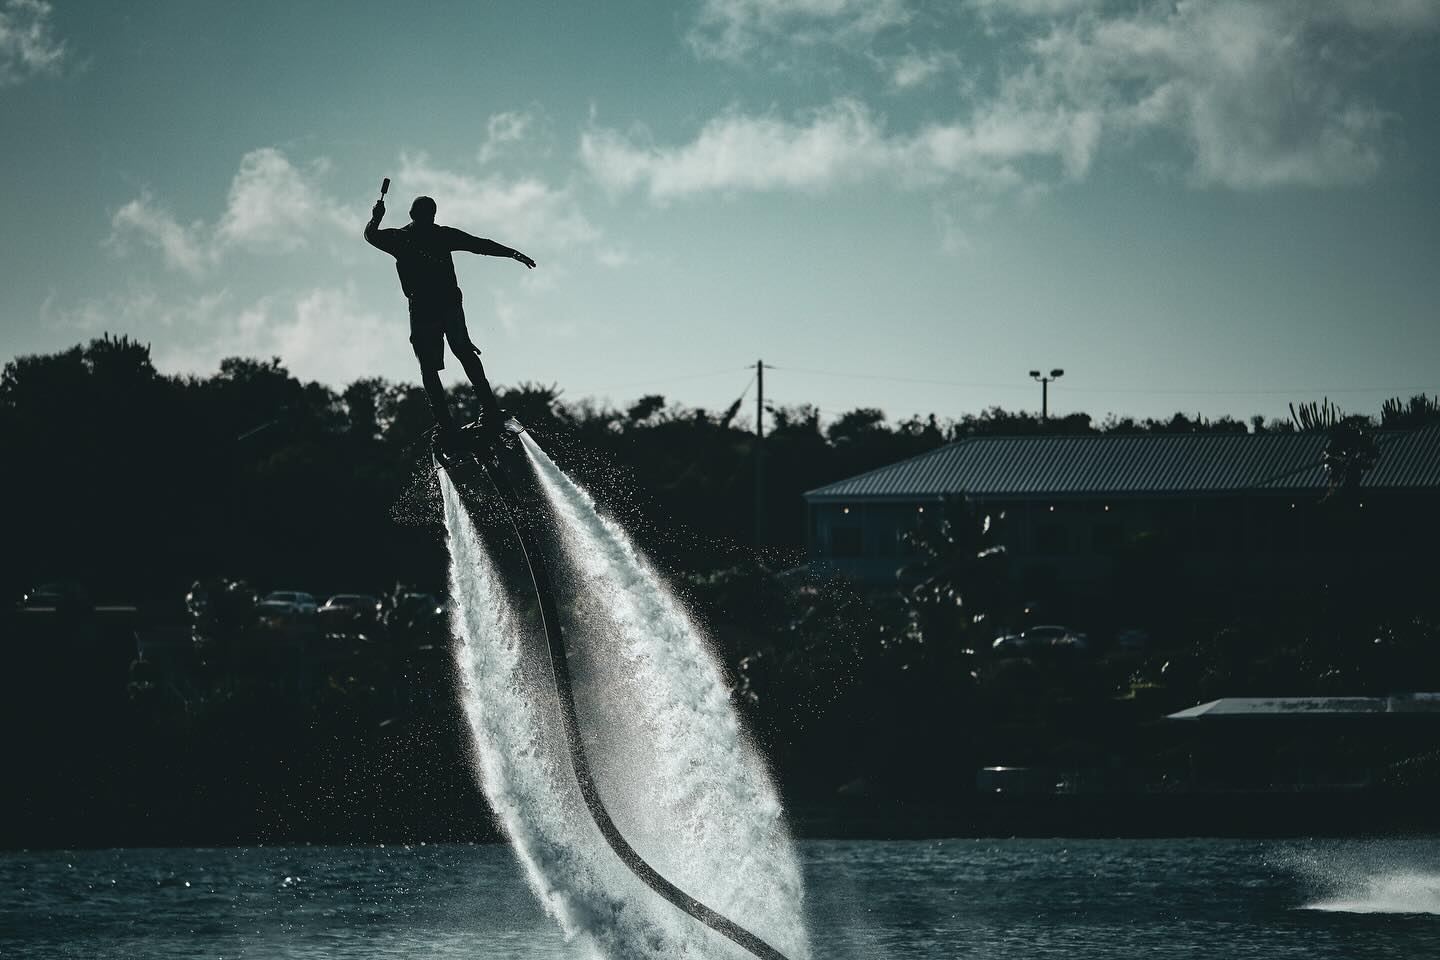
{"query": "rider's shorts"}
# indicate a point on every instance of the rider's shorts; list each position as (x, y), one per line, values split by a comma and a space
(432, 322)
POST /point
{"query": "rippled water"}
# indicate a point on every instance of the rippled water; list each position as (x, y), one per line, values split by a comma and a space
(903, 900)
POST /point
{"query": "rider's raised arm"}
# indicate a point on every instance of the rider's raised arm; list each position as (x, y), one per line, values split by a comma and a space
(380, 239)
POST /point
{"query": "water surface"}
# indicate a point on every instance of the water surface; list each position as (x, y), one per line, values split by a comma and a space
(904, 900)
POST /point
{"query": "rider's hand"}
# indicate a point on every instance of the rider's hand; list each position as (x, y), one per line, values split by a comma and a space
(524, 259)
(378, 211)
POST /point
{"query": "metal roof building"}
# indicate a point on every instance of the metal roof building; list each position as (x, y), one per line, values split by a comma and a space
(1226, 509)
(1273, 707)
(1136, 465)
(1305, 744)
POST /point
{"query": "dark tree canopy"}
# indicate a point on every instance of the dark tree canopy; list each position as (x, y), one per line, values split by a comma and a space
(131, 479)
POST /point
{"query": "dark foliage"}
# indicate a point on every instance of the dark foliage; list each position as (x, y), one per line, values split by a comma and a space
(135, 484)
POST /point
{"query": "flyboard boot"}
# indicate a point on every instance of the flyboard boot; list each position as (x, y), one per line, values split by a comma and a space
(472, 450)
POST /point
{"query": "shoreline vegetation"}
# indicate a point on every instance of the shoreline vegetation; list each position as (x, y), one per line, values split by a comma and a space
(136, 720)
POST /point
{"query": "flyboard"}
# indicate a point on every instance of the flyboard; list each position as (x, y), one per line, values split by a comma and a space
(499, 458)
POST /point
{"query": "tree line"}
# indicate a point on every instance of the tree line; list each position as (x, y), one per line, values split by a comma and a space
(136, 482)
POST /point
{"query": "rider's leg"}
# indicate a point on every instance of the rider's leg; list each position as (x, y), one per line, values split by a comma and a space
(427, 336)
(439, 405)
(469, 357)
(475, 370)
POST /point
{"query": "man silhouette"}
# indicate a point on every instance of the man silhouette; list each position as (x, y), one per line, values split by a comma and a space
(422, 251)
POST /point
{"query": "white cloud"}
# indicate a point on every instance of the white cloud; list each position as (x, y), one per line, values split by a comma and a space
(186, 248)
(330, 336)
(504, 129)
(324, 334)
(328, 333)
(1256, 93)
(1011, 130)
(915, 69)
(730, 29)
(276, 207)
(842, 143)
(27, 43)
(272, 207)
(1262, 93)
(1033, 8)
(1365, 14)
(1244, 84)
(525, 212)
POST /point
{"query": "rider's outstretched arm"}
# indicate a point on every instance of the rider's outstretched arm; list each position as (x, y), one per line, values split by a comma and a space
(460, 240)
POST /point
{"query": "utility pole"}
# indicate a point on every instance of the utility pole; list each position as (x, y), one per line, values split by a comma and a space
(759, 453)
(1055, 374)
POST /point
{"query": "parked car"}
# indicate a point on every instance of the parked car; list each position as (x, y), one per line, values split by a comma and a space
(1009, 643)
(291, 602)
(1059, 637)
(1035, 639)
(346, 611)
(60, 595)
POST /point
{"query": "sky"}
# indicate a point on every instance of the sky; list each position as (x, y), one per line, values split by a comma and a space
(1216, 206)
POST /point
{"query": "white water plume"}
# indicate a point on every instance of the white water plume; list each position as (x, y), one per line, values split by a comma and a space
(1370, 876)
(1399, 892)
(668, 753)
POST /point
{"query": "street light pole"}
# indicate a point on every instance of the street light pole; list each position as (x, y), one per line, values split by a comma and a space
(759, 454)
(1055, 374)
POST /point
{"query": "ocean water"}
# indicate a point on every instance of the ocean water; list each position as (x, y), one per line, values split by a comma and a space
(905, 900)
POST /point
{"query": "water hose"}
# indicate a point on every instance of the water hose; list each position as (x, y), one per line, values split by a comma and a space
(579, 763)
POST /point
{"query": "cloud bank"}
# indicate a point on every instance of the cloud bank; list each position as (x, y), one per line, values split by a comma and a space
(272, 206)
(327, 334)
(842, 143)
(1258, 92)
(275, 207)
(518, 212)
(1252, 93)
(323, 327)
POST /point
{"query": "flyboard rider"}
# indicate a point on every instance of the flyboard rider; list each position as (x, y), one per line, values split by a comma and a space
(427, 275)
(422, 251)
